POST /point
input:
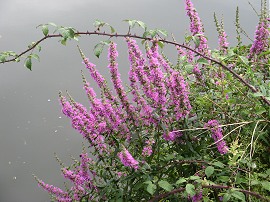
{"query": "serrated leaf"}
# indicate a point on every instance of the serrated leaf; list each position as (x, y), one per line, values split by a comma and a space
(180, 181)
(190, 189)
(209, 171)
(239, 195)
(163, 32)
(266, 185)
(165, 185)
(45, 30)
(28, 63)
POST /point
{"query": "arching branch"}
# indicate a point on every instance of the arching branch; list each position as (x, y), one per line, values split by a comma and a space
(237, 76)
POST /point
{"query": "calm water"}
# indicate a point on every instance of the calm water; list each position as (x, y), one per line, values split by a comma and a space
(32, 127)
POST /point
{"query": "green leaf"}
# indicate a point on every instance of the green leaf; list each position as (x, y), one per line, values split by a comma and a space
(142, 24)
(226, 197)
(112, 29)
(203, 61)
(258, 94)
(243, 59)
(3, 58)
(163, 32)
(190, 189)
(196, 40)
(152, 33)
(218, 164)
(39, 48)
(45, 30)
(98, 49)
(266, 185)
(64, 41)
(180, 181)
(194, 177)
(35, 56)
(160, 44)
(28, 63)
(145, 34)
(209, 171)
(165, 185)
(151, 188)
(239, 195)
(52, 24)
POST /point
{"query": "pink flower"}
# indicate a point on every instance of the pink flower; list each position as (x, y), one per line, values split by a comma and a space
(171, 136)
(127, 159)
(216, 130)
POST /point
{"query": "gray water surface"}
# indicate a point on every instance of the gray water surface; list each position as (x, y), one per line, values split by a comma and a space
(32, 127)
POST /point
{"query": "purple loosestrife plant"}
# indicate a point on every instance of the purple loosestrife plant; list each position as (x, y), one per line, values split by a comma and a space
(260, 43)
(196, 27)
(151, 145)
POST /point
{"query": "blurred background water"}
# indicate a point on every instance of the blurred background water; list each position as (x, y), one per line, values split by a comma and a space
(32, 127)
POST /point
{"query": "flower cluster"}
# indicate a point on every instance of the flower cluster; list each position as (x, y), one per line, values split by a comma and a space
(172, 136)
(196, 27)
(147, 150)
(260, 43)
(127, 159)
(216, 130)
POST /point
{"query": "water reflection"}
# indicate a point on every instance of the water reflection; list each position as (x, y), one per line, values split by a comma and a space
(32, 126)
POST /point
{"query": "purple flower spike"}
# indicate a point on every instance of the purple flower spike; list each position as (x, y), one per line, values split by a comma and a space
(216, 130)
(127, 159)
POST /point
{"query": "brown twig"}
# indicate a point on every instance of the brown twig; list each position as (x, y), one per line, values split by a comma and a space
(257, 195)
(252, 88)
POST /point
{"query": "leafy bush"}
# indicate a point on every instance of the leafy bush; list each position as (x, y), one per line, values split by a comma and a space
(196, 130)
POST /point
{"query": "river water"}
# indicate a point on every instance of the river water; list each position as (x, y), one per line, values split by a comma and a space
(32, 127)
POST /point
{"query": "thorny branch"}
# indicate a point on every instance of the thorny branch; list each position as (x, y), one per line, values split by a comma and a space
(237, 76)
